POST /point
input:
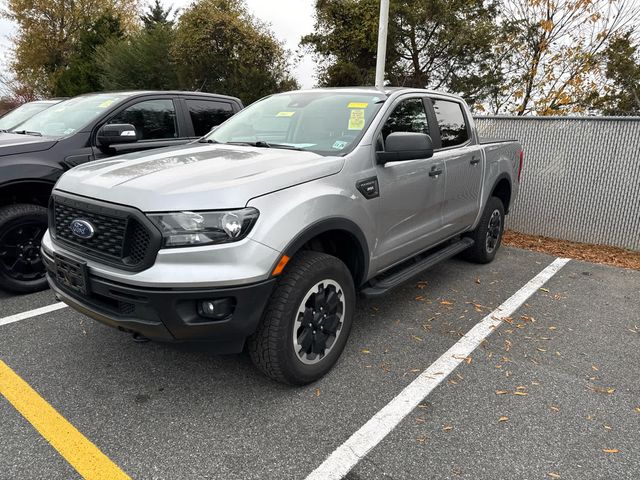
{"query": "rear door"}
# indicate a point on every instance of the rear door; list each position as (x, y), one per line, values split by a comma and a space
(463, 163)
(411, 192)
(203, 114)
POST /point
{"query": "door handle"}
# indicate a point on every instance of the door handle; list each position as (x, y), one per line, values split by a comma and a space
(435, 171)
(474, 161)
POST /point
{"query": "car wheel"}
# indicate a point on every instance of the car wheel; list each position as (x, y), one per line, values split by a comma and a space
(21, 229)
(488, 235)
(307, 321)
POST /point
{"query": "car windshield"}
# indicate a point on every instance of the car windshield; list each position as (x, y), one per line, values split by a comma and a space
(69, 116)
(324, 121)
(18, 115)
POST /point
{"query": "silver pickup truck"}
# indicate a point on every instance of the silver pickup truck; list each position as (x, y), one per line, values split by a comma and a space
(263, 232)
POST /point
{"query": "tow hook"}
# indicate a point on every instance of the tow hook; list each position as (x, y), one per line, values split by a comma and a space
(139, 338)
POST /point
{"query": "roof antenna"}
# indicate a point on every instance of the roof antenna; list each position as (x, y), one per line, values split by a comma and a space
(382, 43)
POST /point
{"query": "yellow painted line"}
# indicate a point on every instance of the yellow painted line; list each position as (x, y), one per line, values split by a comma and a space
(74, 447)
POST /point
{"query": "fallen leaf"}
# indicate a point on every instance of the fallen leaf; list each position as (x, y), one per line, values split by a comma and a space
(421, 285)
(447, 428)
(478, 281)
(553, 475)
(607, 427)
(637, 409)
(521, 387)
(446, 302)
(541, 349)
(610, 450)
(468, 360)
(594, 368)
(501, 392)
(421, 439)
(503, 419)
(546, 290)
(553, 328)
(522, 394)
(364, 350)
(317, 392)
(416, 338)
(554, 408)
(419, 298)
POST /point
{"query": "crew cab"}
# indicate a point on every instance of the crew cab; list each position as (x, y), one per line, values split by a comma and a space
(34, 154)
(263, 232)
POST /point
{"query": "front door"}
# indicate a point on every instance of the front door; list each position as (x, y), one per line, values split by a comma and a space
(411, 192)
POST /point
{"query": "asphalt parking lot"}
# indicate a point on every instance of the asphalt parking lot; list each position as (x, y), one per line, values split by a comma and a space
(552, 393)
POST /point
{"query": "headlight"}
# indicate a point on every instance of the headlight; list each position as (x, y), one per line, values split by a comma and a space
(183, 229)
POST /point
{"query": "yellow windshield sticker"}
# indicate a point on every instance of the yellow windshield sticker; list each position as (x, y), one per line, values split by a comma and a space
(105, 104)
(357, 105)
(285, 114)
(356, 119)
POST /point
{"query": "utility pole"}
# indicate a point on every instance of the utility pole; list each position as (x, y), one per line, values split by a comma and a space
(382, 43)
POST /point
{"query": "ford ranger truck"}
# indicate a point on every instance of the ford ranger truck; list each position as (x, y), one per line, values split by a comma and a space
(263, 232)
(90, 127)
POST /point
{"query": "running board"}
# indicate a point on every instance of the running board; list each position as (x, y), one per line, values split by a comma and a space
(380, 287)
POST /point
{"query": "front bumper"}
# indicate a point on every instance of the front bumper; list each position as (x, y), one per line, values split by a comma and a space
(167, 314)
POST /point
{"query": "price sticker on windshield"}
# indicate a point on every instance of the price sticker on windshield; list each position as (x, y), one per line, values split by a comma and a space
(106, 103)
(356, 119)
(358, 105)
(285, 114)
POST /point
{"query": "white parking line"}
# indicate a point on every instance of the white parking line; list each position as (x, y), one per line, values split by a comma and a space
(347, 455)
(32, 313)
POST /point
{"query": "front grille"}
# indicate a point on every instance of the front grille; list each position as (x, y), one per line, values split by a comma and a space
(121, 237)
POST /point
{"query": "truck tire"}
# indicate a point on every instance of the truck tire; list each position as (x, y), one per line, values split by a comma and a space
(21, 229)
(488, 233)
(307, 321)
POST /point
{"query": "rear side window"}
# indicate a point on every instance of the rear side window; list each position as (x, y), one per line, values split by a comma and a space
(206, 114)
(453, 128)
(408, 116)
(153, 119)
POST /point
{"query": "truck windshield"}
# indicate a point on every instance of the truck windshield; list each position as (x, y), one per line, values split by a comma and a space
(324, 122)
(18, 115)
(69, 116)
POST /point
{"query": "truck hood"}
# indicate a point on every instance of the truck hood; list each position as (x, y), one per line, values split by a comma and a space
(12, 144)
(196, 176)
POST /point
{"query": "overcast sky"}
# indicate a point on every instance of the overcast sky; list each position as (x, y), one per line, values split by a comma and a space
(289, 19)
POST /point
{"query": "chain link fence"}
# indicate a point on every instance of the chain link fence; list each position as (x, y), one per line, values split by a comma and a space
(581, 177)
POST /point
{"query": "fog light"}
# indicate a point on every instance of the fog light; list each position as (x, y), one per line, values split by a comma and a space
(217, 309)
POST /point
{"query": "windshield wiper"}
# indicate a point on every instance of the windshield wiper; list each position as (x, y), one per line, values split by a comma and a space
(263, 144)
(26, 132)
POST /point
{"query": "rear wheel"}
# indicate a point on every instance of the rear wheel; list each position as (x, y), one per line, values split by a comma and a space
(21, 229)
(307, 321)
(488, 235)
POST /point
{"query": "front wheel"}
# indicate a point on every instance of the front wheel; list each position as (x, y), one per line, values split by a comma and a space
(488, 234)
(21, 229)
(307, 321)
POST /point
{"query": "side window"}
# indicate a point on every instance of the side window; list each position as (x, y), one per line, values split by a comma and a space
(206, 114)
(408, 116)
(153, 119)
(453, 128)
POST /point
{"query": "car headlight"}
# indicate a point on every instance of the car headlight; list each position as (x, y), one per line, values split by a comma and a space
(184, 229)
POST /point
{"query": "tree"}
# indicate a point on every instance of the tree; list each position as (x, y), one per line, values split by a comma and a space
(219, 47)
(49, 32)
(622, 69)
(156, 16)
(142, 60)
(82, 72)
(550, 52)
(431, 43)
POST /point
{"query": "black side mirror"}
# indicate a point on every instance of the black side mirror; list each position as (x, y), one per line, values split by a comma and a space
(401, 146)
(117, 133)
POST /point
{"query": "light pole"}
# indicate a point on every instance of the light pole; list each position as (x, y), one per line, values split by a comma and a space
(382, 43)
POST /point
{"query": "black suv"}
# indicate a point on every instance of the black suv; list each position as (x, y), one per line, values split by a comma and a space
(89, 127)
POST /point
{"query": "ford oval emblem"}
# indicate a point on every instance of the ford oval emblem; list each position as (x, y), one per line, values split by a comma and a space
(82, 229)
